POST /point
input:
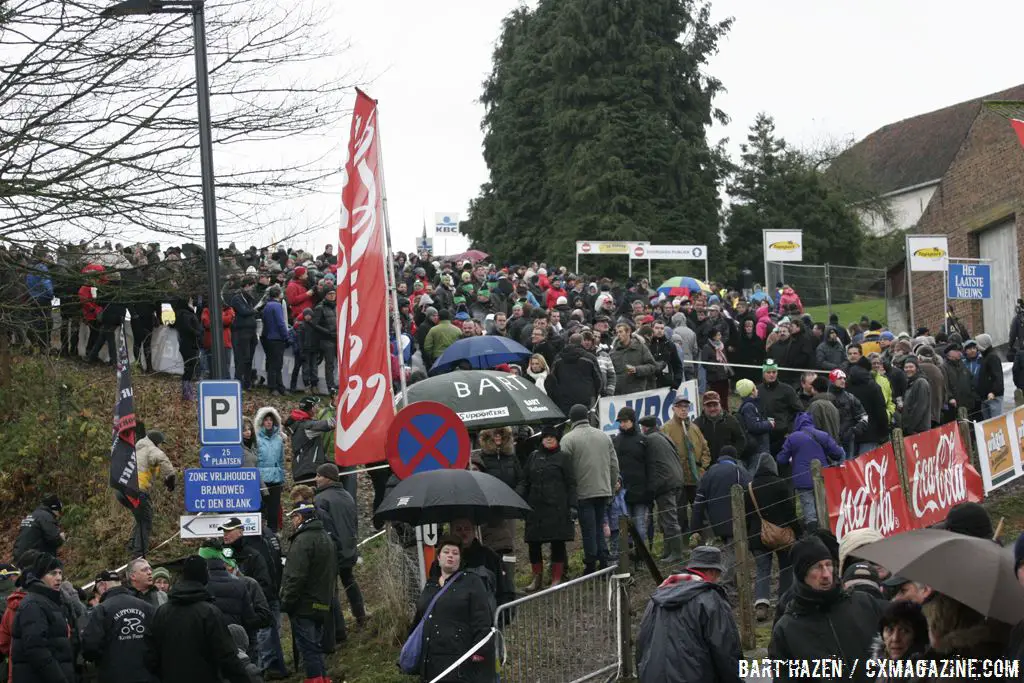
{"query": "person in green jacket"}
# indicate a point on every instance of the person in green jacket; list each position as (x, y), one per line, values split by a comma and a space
(878, 373)
(441, 336)
(308, 586)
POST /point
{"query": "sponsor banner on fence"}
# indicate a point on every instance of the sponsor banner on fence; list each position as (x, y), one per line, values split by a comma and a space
(928, 253)
(605, 248)
(866, 492)
(657, 402)
(1000, 447)
(939, 474)
(783, 245)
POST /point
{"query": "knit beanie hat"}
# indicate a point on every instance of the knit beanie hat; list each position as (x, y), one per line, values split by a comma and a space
(626, 413)
(744, 388)
(856, 539)
(195, 569)
(806, 553)
(578, 412)
(44, 564)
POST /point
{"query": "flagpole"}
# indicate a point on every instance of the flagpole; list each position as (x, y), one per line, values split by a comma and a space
(389, 266)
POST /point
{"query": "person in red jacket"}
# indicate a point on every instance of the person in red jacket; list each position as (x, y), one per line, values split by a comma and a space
(91, 310)
(551, 297)
(227, 315)
(298, 294)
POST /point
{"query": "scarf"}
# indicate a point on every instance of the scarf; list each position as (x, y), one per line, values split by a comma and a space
(691, 459)
(719, 348)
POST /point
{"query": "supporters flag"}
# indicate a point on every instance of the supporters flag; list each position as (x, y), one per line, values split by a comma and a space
(1013, 110)
(366, 401)
(124, 470)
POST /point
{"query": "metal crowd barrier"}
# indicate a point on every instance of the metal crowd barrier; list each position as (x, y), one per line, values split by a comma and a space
(565, 634)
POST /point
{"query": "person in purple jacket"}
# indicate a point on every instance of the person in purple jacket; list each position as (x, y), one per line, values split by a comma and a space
(805, 444)
(275, 337)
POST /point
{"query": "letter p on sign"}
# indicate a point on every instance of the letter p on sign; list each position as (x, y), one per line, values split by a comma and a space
(220, 413)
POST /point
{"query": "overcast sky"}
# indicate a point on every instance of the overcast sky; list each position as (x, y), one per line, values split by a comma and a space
(824, 70)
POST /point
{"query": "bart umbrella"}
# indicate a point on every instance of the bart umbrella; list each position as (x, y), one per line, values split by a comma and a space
(485, 398)
(482, 353)
(975, 571)
(443, 495)
(690, 283)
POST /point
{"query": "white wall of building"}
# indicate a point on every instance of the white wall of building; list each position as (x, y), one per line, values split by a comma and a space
(907, 208)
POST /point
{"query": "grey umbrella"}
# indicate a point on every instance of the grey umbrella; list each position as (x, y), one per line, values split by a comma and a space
(485, 398)
(975, 571)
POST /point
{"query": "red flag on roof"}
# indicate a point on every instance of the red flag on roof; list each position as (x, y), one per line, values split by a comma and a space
(1018, 128)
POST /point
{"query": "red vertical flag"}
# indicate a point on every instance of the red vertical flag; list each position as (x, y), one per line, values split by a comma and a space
(366, 403)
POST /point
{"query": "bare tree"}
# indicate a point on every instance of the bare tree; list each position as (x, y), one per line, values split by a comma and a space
(98, 122)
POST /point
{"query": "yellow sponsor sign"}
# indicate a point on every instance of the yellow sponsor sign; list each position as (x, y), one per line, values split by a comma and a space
(930, 252)
(788, 245)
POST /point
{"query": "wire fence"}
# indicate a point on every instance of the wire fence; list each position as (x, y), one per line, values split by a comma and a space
(829, 285)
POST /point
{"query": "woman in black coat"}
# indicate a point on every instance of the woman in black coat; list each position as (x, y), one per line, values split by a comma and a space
(41, 650)
(190, 332)
(776, 502)
(749, 350)
(549, 486)
(460, 618)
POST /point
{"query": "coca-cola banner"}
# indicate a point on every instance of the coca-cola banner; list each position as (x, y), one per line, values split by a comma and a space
(939, 474)
(1000, 448)
(866, 492)
(365, 407)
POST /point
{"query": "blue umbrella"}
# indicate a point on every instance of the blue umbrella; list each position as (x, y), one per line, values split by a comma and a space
(482, 353)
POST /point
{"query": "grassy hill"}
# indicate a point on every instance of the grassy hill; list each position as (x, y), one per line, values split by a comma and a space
(874, 309)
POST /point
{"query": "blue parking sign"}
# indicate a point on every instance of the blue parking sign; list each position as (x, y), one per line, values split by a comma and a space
(220, 412)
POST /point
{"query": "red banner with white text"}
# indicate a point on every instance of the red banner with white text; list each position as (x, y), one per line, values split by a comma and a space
(866, 492)
(939, 474)
(365, 405)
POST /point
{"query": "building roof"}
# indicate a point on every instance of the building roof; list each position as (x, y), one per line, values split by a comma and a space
(915, 150)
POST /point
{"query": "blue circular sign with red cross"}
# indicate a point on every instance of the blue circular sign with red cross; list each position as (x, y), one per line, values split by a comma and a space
(427, 436)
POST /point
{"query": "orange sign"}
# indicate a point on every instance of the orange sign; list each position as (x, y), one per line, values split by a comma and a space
(997, 442)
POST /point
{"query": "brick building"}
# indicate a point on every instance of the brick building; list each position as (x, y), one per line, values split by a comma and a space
(971, 165)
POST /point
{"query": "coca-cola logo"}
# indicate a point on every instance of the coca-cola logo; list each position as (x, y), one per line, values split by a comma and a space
(870, 505)
(939, 481)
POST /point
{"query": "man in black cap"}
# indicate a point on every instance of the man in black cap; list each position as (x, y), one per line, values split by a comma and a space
(310, 574)
(635, 469)
(248, 558)
(41, 530)
(596, 466)
(307, 435)
(688, 632)
(114, 631)
(188, 637)
(333, 501)
(668, 487)
(823, 621)
(900, 588)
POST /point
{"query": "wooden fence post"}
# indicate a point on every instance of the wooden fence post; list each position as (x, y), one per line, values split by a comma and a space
(741, 551)
(625, 618)
(901, 458)
(820, 502)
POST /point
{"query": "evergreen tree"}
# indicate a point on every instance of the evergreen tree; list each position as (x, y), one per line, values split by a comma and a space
(776, 188)
(595, 129)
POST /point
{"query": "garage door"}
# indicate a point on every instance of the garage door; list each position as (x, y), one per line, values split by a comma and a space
(1000, 245)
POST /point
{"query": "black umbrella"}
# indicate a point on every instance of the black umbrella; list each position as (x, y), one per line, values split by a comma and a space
(443, 495)
(485, 398)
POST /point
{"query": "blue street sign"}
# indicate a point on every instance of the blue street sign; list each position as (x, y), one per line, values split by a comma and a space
(220, 456)
(220, 412)
(970, 281)
(213, 490)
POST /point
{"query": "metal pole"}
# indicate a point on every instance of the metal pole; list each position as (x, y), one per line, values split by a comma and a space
(577, 261)
(209, 194)
(764, 250)
(910, 287)
(705, 269)
(389, 269)
(945, 299)
(648, 271)
(828, 288)
(630, 266)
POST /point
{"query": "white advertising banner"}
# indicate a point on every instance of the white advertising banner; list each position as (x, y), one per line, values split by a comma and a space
(783, 245)
(608, 248)
(446, 223)
(675, 252)
(657, 402)
(928, 253)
